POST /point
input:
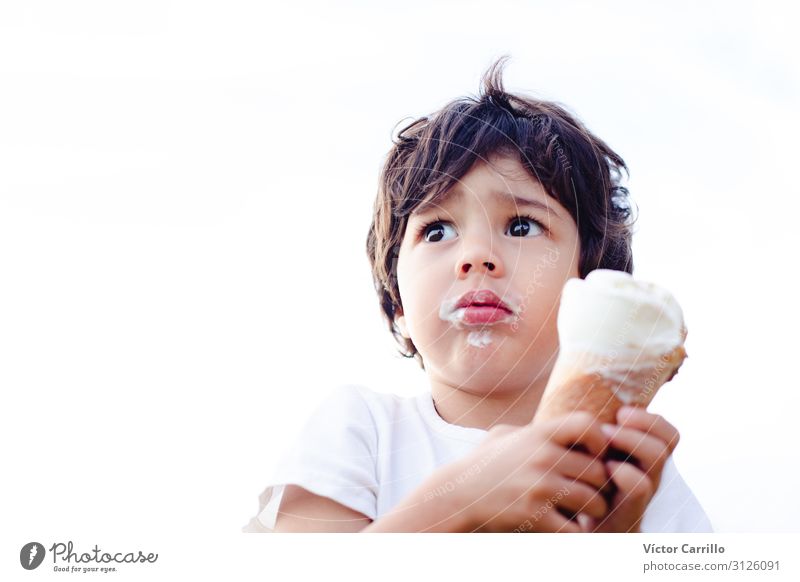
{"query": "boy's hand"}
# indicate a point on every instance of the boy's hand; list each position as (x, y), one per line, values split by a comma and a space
(650, 439)
(518, 478)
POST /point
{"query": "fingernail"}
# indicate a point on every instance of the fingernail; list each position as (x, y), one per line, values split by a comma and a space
(626, 411)
(608, 429)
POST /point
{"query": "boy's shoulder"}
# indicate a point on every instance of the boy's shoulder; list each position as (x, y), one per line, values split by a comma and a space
(360, 394)
(362, 404)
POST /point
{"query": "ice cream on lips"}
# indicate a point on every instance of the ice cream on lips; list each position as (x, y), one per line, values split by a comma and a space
(478, 309)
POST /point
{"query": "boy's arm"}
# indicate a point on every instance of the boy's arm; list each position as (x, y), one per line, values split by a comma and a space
(303, 511)
(516, 474)
(420, 512)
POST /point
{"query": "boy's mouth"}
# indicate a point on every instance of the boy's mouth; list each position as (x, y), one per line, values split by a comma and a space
(478, 307)
(482, 298)
(483, 314)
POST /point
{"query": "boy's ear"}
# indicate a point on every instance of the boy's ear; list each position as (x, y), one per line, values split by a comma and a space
(400, 322)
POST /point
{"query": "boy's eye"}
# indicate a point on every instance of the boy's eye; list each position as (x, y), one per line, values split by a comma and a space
(524, 225)
(436, 231)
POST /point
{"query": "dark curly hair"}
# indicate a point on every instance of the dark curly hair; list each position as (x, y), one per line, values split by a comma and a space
(433, 152)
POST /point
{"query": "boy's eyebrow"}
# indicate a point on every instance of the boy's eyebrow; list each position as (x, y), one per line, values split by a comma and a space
(499, 195)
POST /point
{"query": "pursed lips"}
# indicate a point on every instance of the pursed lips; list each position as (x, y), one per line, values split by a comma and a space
(482, 298)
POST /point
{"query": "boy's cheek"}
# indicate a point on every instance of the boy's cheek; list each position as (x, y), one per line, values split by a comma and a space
(544, 280)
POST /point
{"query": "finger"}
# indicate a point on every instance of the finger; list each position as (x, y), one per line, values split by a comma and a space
(578, 428)
(546, 517)
(557, 523)
(580, 466)
(634, 492)
(649, 452)
(634, 485)
(577, 497)
(653, 424)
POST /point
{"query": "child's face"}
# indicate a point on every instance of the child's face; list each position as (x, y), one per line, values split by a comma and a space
(480, 243)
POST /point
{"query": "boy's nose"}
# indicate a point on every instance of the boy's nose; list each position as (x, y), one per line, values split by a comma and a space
(484, 264)
(465, 267)
(478, 254)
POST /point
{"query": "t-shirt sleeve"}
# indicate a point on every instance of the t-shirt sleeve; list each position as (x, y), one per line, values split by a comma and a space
(334, 456)
(674, 508)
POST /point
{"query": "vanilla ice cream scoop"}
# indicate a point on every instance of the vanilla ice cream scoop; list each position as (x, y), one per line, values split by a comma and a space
(620, 339)
(610, 310)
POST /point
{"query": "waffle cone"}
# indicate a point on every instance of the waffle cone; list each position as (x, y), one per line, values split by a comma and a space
(592, 382)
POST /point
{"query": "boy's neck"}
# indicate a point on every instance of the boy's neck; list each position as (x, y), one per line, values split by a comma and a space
(473, 410)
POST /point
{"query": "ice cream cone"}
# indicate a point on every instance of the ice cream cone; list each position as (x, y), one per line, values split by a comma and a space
(590, 382)
(620, 341)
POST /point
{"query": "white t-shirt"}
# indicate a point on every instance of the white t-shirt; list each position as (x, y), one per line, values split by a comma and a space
(368, 450)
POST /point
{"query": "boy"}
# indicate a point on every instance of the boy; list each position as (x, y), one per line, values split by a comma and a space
(493, 202)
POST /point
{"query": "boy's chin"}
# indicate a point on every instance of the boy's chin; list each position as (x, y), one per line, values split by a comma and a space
(484, 357)
(484, 380)
(495, 341)
(487, 347)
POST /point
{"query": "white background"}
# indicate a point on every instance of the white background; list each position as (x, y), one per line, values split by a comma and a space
(185, 192)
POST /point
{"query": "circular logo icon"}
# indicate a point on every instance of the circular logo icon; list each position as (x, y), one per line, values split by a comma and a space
(31, 555)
